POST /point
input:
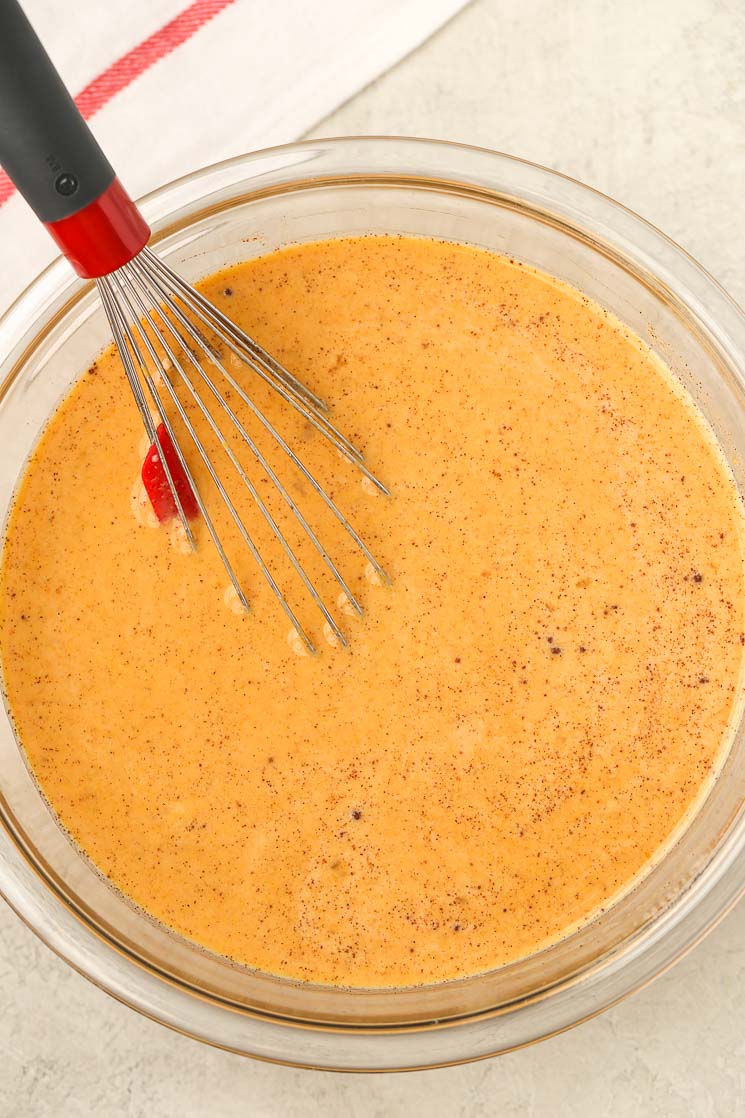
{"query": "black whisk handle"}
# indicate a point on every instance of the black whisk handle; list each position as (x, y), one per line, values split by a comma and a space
(51, 155)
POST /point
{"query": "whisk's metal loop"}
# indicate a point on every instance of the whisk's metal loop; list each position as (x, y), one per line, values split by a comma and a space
(171, 286)
(126, 343)
(126, 353)
(151, 311)
(165, 302)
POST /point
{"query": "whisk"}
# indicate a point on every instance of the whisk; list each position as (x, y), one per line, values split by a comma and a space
(168, 334)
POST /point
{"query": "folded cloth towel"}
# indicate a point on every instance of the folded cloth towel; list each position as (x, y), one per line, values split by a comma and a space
(169, 86)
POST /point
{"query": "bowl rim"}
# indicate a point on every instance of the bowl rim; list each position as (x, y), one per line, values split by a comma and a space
(667, 260)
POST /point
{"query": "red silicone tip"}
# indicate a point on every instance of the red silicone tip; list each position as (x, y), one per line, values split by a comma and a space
(156, 482)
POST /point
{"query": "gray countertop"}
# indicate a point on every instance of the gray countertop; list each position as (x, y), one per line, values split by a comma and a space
(646, 101)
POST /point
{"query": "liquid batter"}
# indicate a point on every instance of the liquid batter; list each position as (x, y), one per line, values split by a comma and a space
(522, 719)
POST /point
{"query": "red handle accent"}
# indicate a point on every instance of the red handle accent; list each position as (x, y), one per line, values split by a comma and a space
(104, 235)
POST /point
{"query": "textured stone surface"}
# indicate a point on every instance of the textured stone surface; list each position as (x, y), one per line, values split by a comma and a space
(645, 100)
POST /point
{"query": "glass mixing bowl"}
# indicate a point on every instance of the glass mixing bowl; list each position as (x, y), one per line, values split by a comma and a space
(332, 188)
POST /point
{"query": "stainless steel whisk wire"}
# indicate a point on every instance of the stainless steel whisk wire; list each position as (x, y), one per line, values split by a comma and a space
(148, 307)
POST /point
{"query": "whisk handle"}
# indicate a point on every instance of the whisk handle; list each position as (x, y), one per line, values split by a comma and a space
(49, 152)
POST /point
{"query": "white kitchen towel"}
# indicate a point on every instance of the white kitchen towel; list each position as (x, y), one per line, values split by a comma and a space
(168, 86)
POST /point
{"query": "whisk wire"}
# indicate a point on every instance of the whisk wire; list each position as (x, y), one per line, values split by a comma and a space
(123, 341)
(151, 311)
(249, 345)
(148, 315)
(255, 451)
(202, 346)
(133, 322)
(162, 299)
(178, 288)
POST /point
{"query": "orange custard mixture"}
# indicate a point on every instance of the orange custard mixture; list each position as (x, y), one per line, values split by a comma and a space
(522, 719)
